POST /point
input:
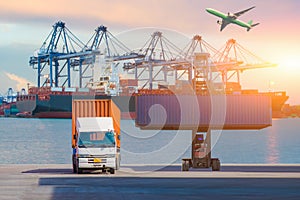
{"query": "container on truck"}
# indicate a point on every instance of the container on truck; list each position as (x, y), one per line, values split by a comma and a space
(95, 136)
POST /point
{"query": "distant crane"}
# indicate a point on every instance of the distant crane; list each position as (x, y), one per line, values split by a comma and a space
(198, 52)
(159, 57)
(198, 45)
(111, 52)
(10, 96)
(233, 58)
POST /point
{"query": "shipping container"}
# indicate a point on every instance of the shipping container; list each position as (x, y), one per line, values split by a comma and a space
(95, 135)
(95, 108)
(70, 89)
(128, 82)
(170, 112)
(56, 89)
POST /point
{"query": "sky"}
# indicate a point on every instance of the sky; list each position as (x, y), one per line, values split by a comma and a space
(24, 25)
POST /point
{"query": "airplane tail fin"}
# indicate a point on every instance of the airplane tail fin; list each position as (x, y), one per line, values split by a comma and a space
(251, 25)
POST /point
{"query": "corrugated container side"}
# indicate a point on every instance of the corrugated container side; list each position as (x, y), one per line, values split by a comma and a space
(248, 111)
(170, 111)
(218, 111)
(95, 108)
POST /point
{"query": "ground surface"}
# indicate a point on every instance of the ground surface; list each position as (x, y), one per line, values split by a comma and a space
(151, 182)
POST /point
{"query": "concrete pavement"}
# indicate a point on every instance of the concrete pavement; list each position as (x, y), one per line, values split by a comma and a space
(141, 182)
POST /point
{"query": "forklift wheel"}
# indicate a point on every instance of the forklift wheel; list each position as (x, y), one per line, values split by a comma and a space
(185, 165)
(215, 164)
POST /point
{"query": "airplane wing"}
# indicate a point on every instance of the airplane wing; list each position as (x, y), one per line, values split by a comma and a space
(242, 12)
(224, 24)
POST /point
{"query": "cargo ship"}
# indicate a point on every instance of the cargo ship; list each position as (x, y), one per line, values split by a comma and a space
(8, 106)
(278, 98)
(47, 102)
(55, 105)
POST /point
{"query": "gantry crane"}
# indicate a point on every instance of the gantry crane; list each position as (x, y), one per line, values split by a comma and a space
(159, 57)
(111, 52)
(198, 52)
(156, 61)
(233, 59)
(59, 53)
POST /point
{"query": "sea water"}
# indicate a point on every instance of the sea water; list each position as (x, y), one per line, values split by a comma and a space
(48, 141)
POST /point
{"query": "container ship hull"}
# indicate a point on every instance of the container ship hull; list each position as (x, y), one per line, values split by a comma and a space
(60, 106)
(278, 100)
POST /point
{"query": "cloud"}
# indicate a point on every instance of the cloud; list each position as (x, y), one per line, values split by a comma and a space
(20, 82)
(176, 14)
(181, 15)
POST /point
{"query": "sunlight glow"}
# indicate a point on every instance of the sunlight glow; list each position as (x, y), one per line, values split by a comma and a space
(290, 62)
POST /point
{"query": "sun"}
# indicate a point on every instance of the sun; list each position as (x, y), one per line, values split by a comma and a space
(290, 62)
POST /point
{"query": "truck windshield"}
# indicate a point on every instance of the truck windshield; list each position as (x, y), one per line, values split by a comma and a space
(96, 139)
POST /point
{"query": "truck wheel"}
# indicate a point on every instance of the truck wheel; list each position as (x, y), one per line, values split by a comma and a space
(185, 165)
(79, 171)
(215, 164)
(112, 171)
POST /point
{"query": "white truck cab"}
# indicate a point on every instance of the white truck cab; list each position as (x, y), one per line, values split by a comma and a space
(96, 145)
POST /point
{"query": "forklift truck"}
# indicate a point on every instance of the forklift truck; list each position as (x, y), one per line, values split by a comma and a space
(201, 153)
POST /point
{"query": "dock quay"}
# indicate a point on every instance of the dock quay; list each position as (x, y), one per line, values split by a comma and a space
(234, 181)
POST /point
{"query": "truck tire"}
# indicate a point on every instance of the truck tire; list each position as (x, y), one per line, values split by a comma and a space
(79, 171)
(215, 165)
(112, 171)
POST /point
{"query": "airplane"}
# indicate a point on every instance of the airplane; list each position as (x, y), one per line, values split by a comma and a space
(232, 18)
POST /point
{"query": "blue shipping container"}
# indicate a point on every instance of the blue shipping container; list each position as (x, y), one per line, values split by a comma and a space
(186, 112)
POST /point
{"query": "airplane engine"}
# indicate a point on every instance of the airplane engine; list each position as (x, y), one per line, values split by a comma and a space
(219, 22)
(232, 15)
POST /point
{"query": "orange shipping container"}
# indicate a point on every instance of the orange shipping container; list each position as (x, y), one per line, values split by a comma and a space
(95, 108)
